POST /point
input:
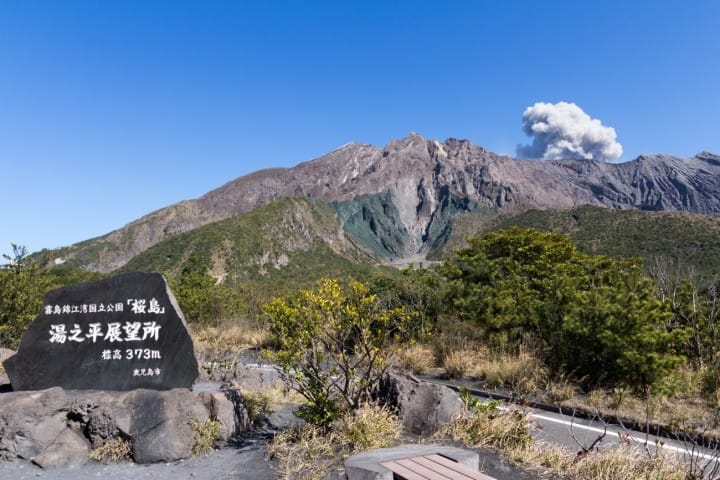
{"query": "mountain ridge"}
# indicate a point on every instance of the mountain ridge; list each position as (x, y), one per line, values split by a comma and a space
(418, 185)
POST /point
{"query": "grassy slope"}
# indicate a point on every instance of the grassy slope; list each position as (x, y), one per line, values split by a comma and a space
(281, 246)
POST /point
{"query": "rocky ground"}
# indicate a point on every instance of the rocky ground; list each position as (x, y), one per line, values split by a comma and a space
(244, 457)
(224, 464)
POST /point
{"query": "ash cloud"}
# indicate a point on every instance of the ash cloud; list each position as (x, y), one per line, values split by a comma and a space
(564, 130)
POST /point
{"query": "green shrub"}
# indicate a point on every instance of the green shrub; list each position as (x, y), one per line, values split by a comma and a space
(333, 345)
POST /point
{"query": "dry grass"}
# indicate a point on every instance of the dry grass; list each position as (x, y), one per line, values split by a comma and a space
(114, 450)
(311, 453)
(692, 414)
(371, 426)
(559, 390)
(259, 403)
(219, 343)
(458, 363)
(508, 431)
(305, 453)
(204, 436)
(686, 409)
(416, 357)
(522, 372)
(619, 462)
(489, 425)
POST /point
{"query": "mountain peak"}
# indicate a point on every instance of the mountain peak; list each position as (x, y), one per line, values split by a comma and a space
(400, 199)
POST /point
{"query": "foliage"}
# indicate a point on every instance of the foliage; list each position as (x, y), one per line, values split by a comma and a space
(63, 276)
(332, 345)
(692, 239)
(419, 289)
(22, 286)
(114, 450)
(204, 436)
(202, 300)
(524, 286)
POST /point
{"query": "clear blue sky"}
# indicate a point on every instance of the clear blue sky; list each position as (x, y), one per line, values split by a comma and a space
(110, 110)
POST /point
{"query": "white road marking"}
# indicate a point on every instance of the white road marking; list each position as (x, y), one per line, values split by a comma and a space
(640, 440)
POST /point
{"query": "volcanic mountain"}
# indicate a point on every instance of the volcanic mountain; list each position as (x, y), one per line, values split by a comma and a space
(398, 201)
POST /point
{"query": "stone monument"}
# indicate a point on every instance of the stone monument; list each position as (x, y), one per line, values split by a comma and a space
(120, 333)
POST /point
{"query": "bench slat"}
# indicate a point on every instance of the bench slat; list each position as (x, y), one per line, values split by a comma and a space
(411, 464)
(436, 467)
(404, 472)
(446, 462)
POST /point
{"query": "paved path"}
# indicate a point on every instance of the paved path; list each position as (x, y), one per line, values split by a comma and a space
(560, 429)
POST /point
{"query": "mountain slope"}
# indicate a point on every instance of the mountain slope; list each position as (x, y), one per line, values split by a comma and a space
(399, 200)
(291, 237)
(688, 240)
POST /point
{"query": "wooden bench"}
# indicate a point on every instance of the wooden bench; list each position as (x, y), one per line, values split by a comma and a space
(431, 467)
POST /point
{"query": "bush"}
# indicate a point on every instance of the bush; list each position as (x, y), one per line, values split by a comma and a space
(22, 286)
(581, 310)
(333, 345)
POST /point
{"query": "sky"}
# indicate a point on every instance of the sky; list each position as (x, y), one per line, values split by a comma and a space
(111, 110)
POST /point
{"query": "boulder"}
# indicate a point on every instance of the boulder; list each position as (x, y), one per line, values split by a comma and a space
(30, 422)
(68, 449)
(55, 427)
(226, 406)
(160, 423)
(423, 407)
(5, 353)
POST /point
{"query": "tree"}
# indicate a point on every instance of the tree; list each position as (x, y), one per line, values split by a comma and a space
(593, 316)
(332, 345)
(22, 286)
(201, 299)
(418, 289)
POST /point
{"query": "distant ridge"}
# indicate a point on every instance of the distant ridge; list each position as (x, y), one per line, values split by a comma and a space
(399, 200)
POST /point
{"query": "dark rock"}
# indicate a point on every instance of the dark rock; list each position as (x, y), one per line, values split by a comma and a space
(423, 407)
(120, 333)
(160, 423)
(227, 407)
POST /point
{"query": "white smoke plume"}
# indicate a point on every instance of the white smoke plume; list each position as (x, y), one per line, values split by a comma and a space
(564, 130)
